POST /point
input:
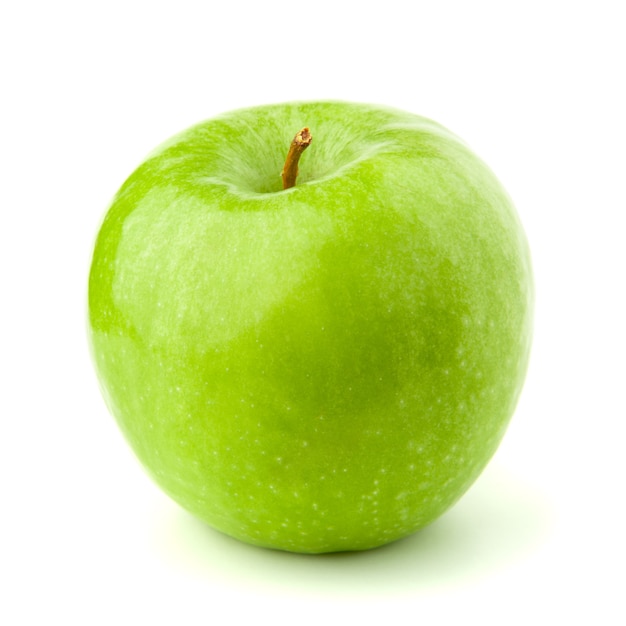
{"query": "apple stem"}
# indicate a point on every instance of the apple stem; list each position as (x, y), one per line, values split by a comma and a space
(300, 143)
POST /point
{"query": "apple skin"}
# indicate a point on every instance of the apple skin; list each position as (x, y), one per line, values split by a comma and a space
(323, 368)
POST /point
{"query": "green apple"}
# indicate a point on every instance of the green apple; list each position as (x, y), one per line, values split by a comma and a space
(323, 367)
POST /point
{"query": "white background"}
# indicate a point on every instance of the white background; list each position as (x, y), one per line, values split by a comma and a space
(536, 88)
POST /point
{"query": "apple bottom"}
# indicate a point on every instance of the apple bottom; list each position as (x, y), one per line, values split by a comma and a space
(258, 465)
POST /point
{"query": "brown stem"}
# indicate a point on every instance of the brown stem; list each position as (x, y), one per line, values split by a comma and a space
(299, 144)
